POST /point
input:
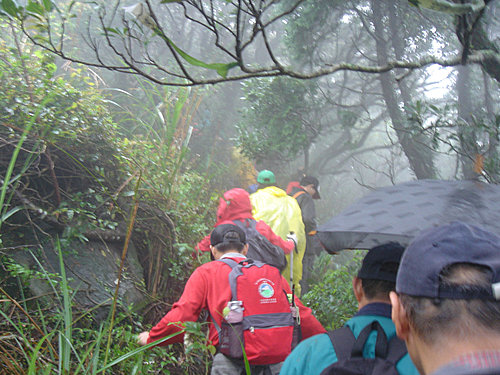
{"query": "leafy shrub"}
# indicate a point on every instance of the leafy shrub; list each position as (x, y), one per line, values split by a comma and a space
(331, 297)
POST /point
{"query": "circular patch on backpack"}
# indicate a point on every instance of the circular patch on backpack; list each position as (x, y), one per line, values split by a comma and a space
(266, 290)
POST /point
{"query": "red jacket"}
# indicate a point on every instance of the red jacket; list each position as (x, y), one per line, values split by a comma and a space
(208, 288)
(235, 205)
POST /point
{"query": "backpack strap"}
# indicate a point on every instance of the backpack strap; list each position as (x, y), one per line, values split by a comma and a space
(380, 344)
(342, 340)
(346, 345)
(232, 278)
(298, 194)
(251, 223)
(236, 271)
(217, 327)
(397, 350)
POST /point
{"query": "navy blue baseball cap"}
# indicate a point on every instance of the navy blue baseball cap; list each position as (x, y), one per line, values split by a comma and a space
(227, 233)
(433, 250)
(381, 262)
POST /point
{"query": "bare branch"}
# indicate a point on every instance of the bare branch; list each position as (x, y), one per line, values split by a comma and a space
(233, 26)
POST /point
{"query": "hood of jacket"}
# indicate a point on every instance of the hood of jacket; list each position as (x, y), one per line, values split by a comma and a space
(234, 205)
(292, 185)
(272, 190)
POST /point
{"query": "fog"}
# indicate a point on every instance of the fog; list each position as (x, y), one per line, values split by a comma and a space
(348, 91)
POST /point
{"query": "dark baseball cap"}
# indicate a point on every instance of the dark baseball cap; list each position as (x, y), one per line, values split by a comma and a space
(381, 262)
(227, 233)
(435, 249)
(310, 180)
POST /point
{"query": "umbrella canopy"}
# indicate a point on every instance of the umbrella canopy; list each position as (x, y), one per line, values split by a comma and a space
(399, 212)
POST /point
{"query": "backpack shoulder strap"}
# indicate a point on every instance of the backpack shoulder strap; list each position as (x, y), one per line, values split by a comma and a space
(232, 275)
(239, 223)
(217, 327)
(298, 194)
(380, 344)
(397, 349)
(342, 340)
(236, 270)
(252, 223)
(231, 263)
(248, 222)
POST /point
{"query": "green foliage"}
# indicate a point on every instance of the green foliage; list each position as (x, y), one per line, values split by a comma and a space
(25, 274)
(302, 37)
(56, 340)
(74, 170)
(75, 113)
(38, 13)
(73, 136)
(158, 126)
(64, 136)
(9, 7)
(220, 68)
(279, 121)
(331, 297)
(449, 7)
(476, 139)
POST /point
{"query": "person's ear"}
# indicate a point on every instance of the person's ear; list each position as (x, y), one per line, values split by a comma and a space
(245, 249)
(357, 287)
(399, 317)
(213, 250)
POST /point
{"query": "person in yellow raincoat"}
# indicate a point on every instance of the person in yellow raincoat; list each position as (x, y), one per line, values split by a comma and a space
(282, 213)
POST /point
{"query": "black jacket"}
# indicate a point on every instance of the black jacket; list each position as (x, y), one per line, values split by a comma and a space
(307, 207)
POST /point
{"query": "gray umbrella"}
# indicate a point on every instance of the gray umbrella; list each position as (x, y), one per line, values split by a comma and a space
(398, 213)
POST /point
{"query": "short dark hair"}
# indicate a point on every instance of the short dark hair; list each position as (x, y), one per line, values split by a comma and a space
(377, 288)
(227, 246)
(231, 239)
(432, 318)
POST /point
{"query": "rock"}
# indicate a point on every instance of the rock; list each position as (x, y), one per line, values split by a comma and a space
(92, 273)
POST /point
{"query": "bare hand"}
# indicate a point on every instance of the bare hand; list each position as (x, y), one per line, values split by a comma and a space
(142, 338)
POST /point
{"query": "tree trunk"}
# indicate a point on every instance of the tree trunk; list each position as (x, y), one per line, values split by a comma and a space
(492, 152)
(466, 132)
(413, 143)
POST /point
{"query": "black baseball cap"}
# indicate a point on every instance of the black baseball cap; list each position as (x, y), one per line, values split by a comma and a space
(310, 180)
(227, 233)
(381, 262)
(435, 249)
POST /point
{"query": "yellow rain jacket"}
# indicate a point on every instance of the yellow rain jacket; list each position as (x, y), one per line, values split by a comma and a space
(282, 213)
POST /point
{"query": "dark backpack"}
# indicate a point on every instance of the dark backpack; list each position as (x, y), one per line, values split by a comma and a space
(259, 247)
(349, 352)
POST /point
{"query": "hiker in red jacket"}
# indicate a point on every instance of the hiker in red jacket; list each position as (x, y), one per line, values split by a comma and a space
(209, 288)
(235, 205)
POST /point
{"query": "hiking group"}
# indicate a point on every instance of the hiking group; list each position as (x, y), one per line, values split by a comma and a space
(432, 308)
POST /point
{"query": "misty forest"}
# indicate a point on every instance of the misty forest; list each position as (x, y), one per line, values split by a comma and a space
(123, 122)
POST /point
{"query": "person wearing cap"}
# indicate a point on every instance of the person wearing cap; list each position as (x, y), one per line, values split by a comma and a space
(282, 213)
(235, 205)
(305, 192)
(372, 285)
(208, 288)
(447, 301)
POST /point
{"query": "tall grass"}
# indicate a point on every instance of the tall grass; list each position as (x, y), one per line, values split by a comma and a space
(67, 356)
(4, 214)
(41, 342)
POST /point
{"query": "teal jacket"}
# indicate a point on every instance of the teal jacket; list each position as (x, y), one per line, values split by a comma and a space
(316, 353)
